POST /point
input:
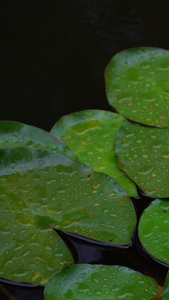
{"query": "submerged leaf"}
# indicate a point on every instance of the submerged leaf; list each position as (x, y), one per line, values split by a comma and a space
(91, 135)
(15, 134)
(154, 228)
(40, 190)
(137, 85)
(91, 282)
(143, 154)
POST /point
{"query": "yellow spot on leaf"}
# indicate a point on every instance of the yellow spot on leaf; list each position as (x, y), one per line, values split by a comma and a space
(35, 276)
(26, 178)
(44, 280)
(66, 221)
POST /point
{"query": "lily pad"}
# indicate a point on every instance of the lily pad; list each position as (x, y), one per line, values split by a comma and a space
(143, 154)
(15, 134)
(165, 294)
(154, 229)
(99, 282)
(40, 190)
(137, 85)
(91, 135)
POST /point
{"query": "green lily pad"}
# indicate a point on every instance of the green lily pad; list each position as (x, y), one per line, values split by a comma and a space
(137, 85)
(40, 190)
(15, 134)
(154, 228)
(143, 154)
(91, 135)
(91, 282)
(165, 293)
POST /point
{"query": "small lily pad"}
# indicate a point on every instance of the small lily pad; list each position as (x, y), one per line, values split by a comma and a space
(40, 190)
(91, 282)
(15, 134)
(143, 154)
(137, 85)
(154, 229)
(165, 294)
(91, 135)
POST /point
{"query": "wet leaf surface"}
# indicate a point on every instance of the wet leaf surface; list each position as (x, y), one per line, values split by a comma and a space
(99, 282)
(91, 135)
(154, 228)
(143, 154)
(137, 85)
(15, 134)
(40, 190)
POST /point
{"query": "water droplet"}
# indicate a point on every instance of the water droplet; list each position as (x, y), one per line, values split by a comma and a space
(98, 292)
(96, 277)
(153, 175)
(105, 210)
(115, 288)
(89, 152)
(83, 288)
(26, 253)
(107, 225)
(165, 155)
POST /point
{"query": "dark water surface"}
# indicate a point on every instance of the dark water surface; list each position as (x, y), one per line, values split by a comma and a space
(53, 53)
(52, 58)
